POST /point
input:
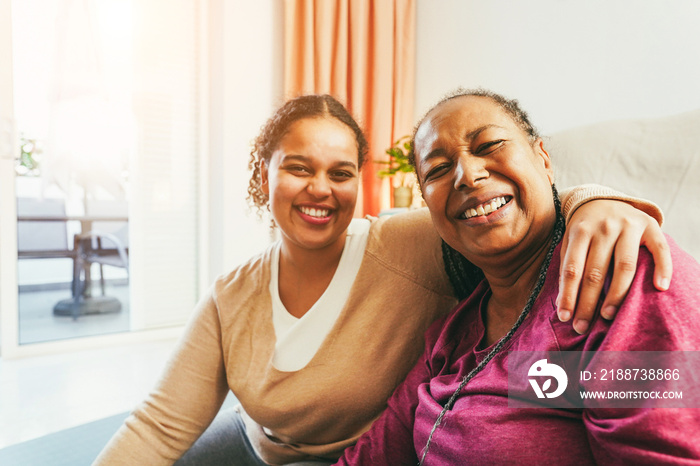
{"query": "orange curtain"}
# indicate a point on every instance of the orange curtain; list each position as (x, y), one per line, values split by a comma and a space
(363, 53)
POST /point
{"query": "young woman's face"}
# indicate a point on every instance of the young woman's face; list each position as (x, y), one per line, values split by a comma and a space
(487, 185)
(312, 181)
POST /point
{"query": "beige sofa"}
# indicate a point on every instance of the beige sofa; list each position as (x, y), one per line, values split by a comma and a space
(657, 159)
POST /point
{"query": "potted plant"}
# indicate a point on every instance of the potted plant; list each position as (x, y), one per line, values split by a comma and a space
(28, 162)
(399, 168)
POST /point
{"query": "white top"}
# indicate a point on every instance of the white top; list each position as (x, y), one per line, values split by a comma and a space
(298, 339)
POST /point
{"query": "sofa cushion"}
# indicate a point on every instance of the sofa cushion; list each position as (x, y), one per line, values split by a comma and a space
(657, 159)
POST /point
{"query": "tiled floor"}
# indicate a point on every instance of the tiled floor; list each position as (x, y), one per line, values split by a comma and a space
(37, 323)
(41, 395)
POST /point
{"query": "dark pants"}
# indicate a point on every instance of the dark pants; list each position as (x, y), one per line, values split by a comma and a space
(225, 442)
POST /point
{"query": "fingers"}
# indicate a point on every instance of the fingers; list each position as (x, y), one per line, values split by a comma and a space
(626, 255)
(573, 260)
(587, 250)
(656, 243)
(625, 262)
(596, 268)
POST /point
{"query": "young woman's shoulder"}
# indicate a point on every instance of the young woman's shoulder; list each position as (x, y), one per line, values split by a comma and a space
(408, 244)
(247, 278)
(404, 230)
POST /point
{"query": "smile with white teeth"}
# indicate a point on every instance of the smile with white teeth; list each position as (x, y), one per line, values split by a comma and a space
(485, 208)
(317, 213)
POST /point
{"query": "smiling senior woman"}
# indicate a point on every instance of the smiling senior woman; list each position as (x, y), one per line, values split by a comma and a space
(313, 334)
(477, 148)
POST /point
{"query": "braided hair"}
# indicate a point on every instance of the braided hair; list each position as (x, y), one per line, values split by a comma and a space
(463, 275)
(557, 234)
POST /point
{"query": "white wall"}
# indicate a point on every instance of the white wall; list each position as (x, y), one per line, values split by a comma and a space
(568, 62)
(246, 86)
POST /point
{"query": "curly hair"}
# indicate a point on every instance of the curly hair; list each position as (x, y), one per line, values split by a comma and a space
(511, 106)
(272, 132)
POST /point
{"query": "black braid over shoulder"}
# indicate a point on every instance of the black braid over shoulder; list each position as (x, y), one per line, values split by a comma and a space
(558, 233)
(464, 276)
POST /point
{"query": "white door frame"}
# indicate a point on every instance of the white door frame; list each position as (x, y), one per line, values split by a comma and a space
(8, 217)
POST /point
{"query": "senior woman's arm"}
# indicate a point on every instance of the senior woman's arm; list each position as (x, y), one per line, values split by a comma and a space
(659, 322)
(604, 226)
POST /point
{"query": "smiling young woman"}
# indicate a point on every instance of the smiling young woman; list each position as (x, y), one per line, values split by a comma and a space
(313, 334)
(312, 183)
(312, 176)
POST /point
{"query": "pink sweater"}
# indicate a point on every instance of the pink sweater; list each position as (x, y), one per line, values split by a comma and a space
(482, 429)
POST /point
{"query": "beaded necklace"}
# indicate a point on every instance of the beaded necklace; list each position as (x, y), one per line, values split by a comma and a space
(558, 233)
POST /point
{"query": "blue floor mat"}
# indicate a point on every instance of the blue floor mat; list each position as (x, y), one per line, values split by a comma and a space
(77, 446)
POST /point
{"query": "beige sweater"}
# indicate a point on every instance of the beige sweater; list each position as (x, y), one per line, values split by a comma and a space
(321, 409)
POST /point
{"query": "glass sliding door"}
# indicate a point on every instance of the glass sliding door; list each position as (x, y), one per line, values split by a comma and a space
(107, 97)
(73, 77)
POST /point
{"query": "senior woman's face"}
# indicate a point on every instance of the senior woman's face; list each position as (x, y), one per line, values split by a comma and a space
(488, 187)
